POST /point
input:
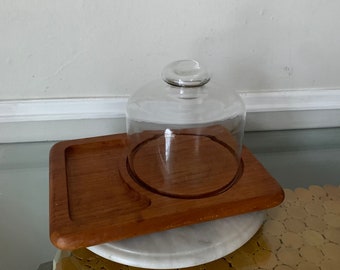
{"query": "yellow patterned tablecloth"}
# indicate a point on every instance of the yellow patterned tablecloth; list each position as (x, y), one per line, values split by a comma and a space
(302, 233)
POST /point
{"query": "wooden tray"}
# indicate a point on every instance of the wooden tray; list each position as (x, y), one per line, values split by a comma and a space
(94, 198)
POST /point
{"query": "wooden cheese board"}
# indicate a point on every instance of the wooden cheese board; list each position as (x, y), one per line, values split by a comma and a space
(97, 196)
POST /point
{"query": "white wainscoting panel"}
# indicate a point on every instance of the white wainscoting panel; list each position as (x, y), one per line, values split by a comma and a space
(69, 118)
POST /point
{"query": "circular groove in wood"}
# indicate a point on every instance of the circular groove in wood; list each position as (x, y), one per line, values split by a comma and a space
(186, 166)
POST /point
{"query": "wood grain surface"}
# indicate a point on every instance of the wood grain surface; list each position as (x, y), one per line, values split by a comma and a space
(286, 241)
(189, 163)
(94, 199)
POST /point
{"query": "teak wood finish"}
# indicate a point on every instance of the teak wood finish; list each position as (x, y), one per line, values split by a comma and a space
(98, 194)
(303, 233)
(186, 163)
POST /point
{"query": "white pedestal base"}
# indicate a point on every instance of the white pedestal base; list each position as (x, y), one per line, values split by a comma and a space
(185, 246)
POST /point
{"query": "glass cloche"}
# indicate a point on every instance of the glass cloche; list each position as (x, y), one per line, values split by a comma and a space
(185, 134)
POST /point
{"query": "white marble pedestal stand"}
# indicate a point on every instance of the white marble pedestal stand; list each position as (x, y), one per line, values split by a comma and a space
(186, 246)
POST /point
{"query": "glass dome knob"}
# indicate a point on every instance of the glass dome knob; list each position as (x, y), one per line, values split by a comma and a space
(185, 73)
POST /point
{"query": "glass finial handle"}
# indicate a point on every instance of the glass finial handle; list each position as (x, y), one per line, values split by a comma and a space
(185, 73)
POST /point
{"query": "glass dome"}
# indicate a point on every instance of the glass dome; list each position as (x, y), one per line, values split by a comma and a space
(185, 133)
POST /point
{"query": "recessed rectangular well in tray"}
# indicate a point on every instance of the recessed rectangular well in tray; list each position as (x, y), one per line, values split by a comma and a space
(92, 201)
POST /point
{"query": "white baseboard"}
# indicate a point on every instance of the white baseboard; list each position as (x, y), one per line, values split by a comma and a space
(60, 119)
(292, 100)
